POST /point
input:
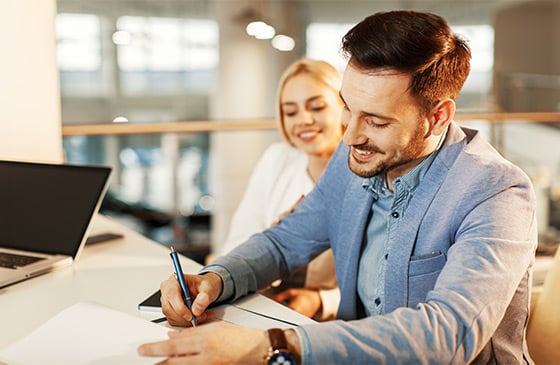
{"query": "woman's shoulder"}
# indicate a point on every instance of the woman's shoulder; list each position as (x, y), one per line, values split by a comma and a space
(281, 161)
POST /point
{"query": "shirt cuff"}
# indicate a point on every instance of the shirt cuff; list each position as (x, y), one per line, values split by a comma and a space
(227, 282)
(305, 346)
(330, 300)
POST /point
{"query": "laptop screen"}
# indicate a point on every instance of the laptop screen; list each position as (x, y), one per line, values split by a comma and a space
(47, 207)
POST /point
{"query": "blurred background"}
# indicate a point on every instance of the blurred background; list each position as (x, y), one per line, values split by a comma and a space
(180, 64)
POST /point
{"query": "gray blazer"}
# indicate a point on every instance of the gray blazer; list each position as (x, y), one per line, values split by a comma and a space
(458, 274)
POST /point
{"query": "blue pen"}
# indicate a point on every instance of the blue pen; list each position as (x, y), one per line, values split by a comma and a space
(179, 273)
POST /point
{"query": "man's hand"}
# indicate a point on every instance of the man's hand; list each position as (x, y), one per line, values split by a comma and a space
(304, 301)
(205, 289)
(212, 343)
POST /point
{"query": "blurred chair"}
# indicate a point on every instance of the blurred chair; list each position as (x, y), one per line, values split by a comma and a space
(543, 333)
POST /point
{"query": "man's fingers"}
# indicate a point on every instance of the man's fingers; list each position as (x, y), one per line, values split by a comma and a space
(201, 302)
(285, 296)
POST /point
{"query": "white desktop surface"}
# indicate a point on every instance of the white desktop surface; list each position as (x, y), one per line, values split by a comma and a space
(118, 274)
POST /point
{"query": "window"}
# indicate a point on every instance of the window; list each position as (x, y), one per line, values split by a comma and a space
(324, 41)
(480, 39)
(79, 45)
(166, 44)
(166, 55)
(79, 54)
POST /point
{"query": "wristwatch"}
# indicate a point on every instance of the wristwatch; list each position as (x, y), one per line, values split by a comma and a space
(278, 353)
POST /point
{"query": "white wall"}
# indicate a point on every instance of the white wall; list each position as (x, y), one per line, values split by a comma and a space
(30, 127)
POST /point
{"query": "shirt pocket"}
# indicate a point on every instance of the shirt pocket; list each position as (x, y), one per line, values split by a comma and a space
(423, 271)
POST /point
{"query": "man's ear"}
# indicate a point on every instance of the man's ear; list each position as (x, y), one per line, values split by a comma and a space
(441, 115)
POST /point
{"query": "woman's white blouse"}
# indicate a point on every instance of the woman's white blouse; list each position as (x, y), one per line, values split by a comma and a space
(279, 179)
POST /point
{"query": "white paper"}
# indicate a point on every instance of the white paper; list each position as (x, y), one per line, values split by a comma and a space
(261, 305)
(232, 314)
(248, 317)
(86, 333)
(89, 333)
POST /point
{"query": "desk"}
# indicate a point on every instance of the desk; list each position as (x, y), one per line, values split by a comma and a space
(119, 274)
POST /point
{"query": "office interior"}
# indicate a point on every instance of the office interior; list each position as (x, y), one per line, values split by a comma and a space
(179, 99)
(184, 61)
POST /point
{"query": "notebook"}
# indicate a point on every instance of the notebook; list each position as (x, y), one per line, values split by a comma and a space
(45, 213)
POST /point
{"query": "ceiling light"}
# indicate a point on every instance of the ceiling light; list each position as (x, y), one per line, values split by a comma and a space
(283, 43)
(121, 37)
(260, 30)
(120, 119)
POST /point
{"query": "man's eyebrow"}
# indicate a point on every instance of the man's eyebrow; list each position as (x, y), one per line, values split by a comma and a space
(378, 116)
(366, 114)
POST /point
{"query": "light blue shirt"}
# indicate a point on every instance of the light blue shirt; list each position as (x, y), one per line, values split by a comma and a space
(386, 212)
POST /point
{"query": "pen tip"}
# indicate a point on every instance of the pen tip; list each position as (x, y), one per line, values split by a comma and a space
(172, 249)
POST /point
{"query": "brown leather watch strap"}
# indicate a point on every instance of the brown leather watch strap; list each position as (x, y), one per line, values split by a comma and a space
(277, 339)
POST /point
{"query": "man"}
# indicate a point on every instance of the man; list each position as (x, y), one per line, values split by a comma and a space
(433, 232)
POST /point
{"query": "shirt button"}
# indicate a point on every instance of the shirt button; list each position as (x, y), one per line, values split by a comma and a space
(395, 214)
(377, 301)
(386, 255)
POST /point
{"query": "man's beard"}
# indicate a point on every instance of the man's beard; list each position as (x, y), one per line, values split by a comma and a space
(410, 153)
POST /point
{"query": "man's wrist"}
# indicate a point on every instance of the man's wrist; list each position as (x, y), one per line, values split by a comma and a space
(293, 344)
(227, 289)
(282, 350)
(217, 279)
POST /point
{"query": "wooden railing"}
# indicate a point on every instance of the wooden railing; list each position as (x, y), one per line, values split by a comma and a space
(166, 127)
(237, 125)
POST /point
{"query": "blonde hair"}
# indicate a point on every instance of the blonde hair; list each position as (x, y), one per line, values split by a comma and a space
(322, 71)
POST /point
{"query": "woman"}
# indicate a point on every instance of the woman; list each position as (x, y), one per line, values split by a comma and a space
(309, 110)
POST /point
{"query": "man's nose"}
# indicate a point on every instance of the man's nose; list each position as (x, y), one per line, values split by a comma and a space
(354, 135)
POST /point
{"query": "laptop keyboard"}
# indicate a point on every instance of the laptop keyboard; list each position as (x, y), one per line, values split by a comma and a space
(13, 261)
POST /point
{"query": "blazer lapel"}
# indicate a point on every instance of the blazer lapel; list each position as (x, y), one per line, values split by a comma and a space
(354, 217)
(400, 251)
(396, 285)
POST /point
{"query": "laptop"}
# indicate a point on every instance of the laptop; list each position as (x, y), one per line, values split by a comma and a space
(46, 210)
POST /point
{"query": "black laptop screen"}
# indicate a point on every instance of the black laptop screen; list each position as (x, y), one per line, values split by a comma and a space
(48, 207)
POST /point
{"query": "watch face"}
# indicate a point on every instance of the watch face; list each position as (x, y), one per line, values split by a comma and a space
(282, 358)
